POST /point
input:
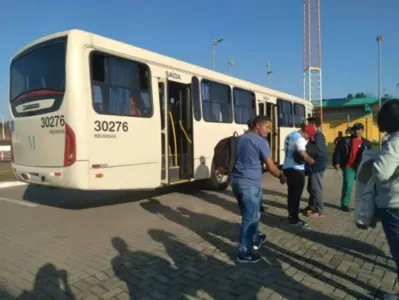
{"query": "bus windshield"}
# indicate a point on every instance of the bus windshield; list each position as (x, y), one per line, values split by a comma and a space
(41, 67)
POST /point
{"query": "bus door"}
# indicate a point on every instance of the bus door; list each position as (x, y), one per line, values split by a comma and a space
(271, 111)
(177, 131)
(167, 160)
(180, 104)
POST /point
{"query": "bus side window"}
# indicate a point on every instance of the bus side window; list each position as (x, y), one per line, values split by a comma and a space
(244, 105)
(124, 85)
(216, 102)
(285, 113)
(97, 98)
(299, 114)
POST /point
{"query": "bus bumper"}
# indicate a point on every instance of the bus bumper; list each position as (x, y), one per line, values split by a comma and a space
(72, 177)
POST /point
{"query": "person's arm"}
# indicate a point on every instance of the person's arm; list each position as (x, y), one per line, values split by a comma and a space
(264, 151)
(301, 148)
(387, 162)
(321, 145)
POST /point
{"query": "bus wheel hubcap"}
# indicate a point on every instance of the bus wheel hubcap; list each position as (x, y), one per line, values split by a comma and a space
(220, 178)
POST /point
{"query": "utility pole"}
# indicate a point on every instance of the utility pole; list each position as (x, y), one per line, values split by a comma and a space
(379, 42)
(214, 44)
(268, 73)
(312, 58)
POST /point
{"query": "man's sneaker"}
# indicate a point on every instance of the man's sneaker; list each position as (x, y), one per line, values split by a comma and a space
(260, 241)
(298, 223)
(248, 258)
(345, 208)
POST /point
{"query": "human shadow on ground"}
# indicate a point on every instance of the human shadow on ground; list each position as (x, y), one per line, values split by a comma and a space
(221, 279)
(50, 283)
(273, 277)
(144, 274)
(283, 204)
(347, 245)
(4, 295)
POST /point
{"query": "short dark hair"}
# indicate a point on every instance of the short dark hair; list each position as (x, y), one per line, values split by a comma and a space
(388, 116)
(260, 119)
(314, 120)
(250, 123)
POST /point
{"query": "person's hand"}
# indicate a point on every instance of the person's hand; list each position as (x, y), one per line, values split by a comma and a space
(336, 167)
(283, 179)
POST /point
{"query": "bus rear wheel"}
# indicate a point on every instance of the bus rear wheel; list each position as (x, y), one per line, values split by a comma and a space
(218, 182)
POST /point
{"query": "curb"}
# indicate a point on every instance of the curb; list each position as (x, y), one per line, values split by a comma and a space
(8, 184)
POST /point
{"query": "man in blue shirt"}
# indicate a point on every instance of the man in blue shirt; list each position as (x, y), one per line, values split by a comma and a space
(316, 172)
(252, 152)
(294, 170)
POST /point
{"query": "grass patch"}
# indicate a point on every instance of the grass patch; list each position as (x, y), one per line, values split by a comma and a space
(6, 174)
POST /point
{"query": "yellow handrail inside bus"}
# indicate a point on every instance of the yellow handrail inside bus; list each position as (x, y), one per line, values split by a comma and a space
(184, 131)
(169, 153)
(174, 137)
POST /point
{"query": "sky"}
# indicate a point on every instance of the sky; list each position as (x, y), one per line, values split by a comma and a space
(255, 31)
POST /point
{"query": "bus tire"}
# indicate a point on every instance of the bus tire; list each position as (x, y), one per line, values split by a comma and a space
(217, 182)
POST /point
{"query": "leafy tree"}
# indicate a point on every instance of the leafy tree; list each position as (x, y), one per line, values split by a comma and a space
(386, 97)
(360, 95)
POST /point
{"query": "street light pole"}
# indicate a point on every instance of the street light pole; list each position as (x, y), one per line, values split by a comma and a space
(380, 38)
(268, 72)
(231, 64)
(397, 91)
(214, 44)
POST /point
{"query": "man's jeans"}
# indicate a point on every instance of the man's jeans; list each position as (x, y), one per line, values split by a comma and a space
(249, 199)
(390, 223)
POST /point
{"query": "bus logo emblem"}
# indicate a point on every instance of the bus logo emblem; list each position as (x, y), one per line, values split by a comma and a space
(30, 106)
(32, 144)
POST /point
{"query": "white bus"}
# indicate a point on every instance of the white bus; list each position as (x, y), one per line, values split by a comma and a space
(92, 113)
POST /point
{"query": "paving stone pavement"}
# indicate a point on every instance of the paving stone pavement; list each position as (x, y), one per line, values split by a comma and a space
(181, 244)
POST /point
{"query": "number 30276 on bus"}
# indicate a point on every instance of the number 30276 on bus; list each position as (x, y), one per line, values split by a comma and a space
(52, 122)
(110, 126)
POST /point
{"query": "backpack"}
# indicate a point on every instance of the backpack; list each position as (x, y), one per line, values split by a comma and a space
(311, 149)
(225, 154)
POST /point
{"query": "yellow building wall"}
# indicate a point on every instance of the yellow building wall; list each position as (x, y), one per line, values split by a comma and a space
(331, 128)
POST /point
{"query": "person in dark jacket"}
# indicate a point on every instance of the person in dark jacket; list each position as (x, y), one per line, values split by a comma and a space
(315, 172)
(340, 136)
(347, 157)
